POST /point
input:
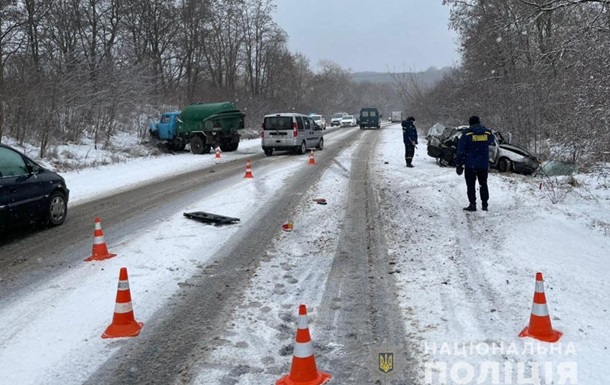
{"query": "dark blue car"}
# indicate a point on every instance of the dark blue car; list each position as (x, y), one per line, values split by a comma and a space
(29, 193)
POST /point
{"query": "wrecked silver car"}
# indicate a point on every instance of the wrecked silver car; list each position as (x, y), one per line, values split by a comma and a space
(503, 156)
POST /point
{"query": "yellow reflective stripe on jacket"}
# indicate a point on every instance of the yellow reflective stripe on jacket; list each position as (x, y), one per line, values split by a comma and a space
(479, 138)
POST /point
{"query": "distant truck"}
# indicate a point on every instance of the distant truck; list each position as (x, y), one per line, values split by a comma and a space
(397, 116)
(204, 126)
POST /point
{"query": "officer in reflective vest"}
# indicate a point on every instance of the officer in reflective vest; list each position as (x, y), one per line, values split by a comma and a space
(472, 159)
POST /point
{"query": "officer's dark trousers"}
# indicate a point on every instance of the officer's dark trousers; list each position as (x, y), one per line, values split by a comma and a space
(409, 152)
(471, 175)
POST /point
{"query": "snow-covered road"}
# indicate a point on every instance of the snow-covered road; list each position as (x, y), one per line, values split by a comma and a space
(465, 281)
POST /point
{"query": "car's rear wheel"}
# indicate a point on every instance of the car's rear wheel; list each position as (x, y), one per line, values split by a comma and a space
(504, 165)
(58, 209)
(303, 148)
(268, 151)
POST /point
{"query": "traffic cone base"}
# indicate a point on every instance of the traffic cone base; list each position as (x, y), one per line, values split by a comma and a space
(321, 378)
(303, 370)
(217, 153)
(117, 331)
(540, 326)
(123, 321)
(554, 336)
(100, 251)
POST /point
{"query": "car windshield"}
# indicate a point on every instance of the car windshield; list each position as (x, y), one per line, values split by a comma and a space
(316, 117)
(278, 123)
(348, 117)
(337, 115)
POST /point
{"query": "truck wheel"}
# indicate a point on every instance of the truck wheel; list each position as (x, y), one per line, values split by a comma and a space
(178, 146)
(197, 146)
(232, 147)
(268, 151)
(321, 144)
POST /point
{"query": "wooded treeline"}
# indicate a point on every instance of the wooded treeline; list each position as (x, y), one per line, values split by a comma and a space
(537, 68)
(75, 68)
(70, 69)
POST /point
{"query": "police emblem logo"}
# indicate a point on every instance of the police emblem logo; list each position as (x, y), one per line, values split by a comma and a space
(386, 362)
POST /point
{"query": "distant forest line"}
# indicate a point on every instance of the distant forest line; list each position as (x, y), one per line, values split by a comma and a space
(75, 69)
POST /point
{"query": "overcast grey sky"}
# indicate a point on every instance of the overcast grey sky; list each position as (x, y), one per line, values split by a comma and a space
(370, 35)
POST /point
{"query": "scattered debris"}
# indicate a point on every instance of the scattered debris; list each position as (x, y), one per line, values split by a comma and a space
(211, 218)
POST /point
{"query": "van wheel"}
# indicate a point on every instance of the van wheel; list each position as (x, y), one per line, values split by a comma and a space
(321, 144)
(58, 208)
(268, 151)
(504, 165)
(303, 148)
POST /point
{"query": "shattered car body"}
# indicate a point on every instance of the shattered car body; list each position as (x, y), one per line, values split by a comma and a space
(503, 156)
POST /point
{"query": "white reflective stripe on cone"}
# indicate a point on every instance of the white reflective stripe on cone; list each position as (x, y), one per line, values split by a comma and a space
(540, 310)
(98, 240)
(123, 285)
(122, 308)
(539, 287)
(303, 349)
(302, 322)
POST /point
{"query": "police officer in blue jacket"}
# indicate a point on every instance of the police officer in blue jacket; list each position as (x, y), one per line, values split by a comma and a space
(409, 137)
(472, 158)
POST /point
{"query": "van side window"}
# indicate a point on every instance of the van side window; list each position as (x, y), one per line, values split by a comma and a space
(299, 123)
(306, 124)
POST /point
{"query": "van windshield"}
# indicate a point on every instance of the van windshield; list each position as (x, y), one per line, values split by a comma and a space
(278, 123)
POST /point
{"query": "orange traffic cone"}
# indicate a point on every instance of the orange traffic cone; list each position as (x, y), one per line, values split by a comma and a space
(311, 158)
(123, 322)
(248, 170)
(540, 322)
(217, 153)
(303, 370)
(100, 251)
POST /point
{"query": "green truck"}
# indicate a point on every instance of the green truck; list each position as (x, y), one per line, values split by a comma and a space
(203, 125)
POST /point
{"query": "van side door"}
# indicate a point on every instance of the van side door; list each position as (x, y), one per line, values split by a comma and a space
(310, 129)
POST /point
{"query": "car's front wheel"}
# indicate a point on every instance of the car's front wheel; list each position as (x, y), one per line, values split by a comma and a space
(504, 165)
(58, 209)
(321, 144)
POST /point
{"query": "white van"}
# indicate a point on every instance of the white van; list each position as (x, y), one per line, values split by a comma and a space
(290, 131)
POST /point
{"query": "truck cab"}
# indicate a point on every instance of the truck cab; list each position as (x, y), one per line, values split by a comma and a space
(165, 130)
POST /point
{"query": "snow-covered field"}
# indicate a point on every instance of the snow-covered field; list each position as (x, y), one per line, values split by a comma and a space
(466, 279)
